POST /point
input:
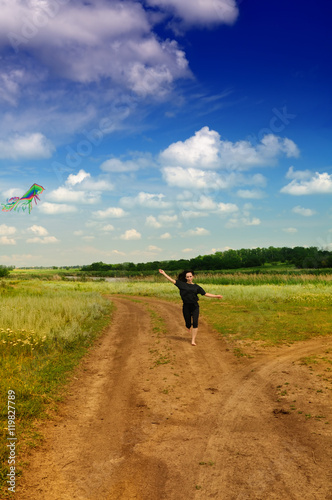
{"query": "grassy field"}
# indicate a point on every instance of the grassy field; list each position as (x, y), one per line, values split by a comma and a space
(46, 327)
(44, 332)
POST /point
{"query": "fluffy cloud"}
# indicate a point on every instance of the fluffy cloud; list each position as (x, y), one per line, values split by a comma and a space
(85, 181)
(7, 230)
(45, 241)
(4, 240)
(64, 194)
(73, 179)
(108, 228)
(306, 212)
(243, 221)
(194, 178)
(289, 230)
(28, 146)
(198, 231)
(250, 193)
(148, 200)
(89, 41)
(39, 230)
(227, 208)
(199, 151)
(154, 249)
(165, 236)
(199, 13)
(55, 208)
(206, 150)
(131, 234)
(161, 220)
(10, 82)
(112, 212)
(317, 184)
(151, 221)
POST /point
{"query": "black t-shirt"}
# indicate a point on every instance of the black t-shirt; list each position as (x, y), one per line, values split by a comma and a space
(189, 292)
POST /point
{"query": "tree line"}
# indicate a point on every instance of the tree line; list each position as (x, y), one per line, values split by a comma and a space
(300, 257)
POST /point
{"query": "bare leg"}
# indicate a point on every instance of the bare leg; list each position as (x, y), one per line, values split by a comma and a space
(193, 338)
(189, 331)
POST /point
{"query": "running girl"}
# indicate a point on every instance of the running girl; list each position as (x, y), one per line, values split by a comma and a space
(189, 293)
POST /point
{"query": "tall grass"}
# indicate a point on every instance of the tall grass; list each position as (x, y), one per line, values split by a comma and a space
(45, 329)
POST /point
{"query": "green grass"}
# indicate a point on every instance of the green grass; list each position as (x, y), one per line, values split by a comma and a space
(45, 329)
(270, 314)
(47, 326)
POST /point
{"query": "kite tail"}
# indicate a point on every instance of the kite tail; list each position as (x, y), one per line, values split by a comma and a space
(26, 201)
(10, 205)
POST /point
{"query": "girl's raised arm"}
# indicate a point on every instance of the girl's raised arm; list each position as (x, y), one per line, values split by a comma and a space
(166, 276)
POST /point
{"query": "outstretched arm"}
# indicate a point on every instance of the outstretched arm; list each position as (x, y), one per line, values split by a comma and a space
(213, 296)
(166, 276)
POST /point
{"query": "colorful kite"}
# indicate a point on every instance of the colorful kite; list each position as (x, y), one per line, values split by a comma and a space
(26, 200)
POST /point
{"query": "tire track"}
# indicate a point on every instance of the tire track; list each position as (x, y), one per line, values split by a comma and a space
(197, 425)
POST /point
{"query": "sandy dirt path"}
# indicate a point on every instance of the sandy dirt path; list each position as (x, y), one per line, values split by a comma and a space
(149, 417)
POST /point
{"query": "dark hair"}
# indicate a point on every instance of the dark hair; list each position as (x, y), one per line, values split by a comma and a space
(182, 276)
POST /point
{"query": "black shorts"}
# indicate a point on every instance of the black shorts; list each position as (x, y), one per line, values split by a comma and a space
(190, 314)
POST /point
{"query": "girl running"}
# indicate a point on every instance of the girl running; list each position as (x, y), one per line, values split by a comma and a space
(189, 292)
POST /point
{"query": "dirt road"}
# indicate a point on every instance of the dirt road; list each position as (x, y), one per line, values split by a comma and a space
(150, 417)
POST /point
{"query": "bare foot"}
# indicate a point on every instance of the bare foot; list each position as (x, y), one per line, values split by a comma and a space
(193, 343)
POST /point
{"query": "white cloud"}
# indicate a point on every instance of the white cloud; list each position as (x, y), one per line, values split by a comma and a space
(250, 193)
(131, 234)
(168, 220)
(153, 248)
(203, 203)
(206, 150)
(198, 231)
(55, 208)
(243, 221)
(199, 151)
(28, 146)
(151, 221)
(199, 13)
(290, 230)
(108, 227)
(227, 208)
(39, 230)
(10, 81)
(90, 41)
(7, 230)
(306, 212)
(191, 214)
(299, 175)
(317, 184)
(45, 241)
(64, 194)
(4, 240)
(112, 212)
(192, 178)
(148, 200)
(72, 179)
(165, 236)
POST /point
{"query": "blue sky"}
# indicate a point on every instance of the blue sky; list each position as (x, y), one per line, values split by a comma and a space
(164, 129)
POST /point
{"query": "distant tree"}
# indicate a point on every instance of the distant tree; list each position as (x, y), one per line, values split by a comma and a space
(4, 271)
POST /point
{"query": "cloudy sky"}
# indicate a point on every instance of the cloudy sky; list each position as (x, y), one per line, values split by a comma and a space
(164, 129)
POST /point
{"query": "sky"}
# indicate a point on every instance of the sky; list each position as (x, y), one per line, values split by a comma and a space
(164, 129)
